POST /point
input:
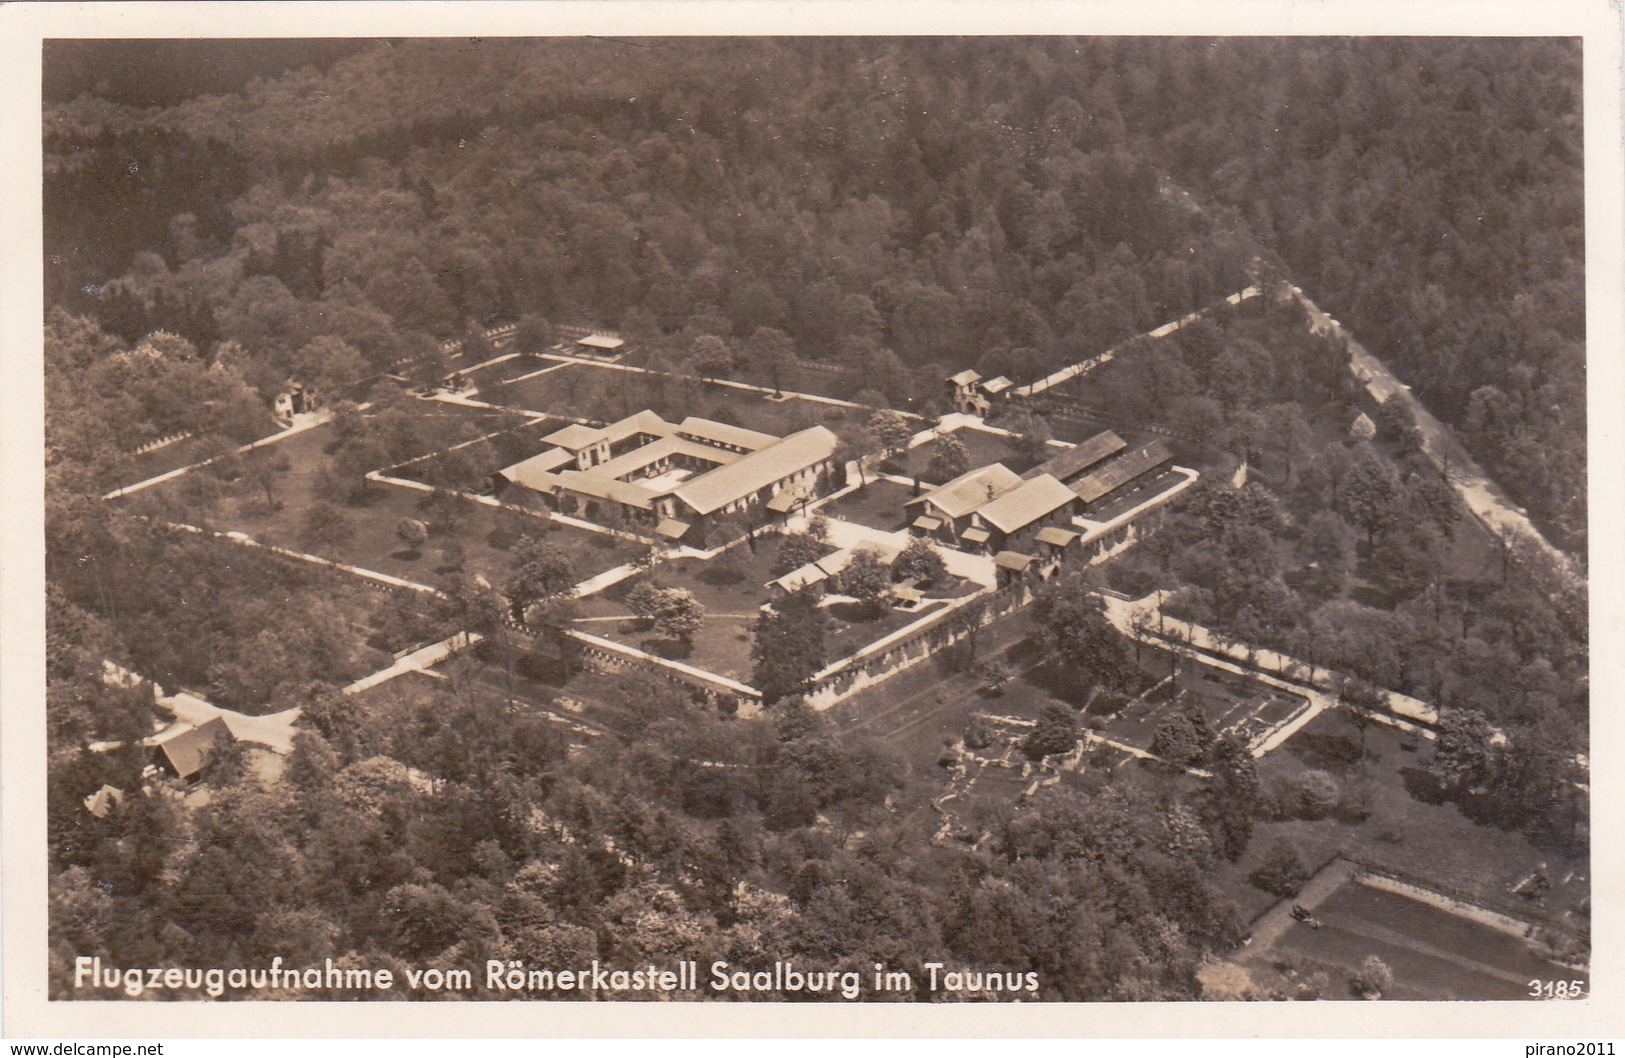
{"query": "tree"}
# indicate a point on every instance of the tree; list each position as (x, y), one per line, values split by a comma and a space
(711, 357)
(535, 334)
(413, 533)
(866, 578)
(199, 493)
(1317, 793)
(1073, 624)
(892, 429)
(1373, 978)
(330, 365)
(858, 447)
(1370, 493)
(795, 551)
(262, 469)
(1464, 756)
(921, 561)
(1329, 546)
(1282, 871)
(1056, 732)
(1178, 739)
(324, 528)
(541, 571)
(677, 613)
(787, 647)
(950, 459)
(1032, 439)
(644, 599)
(1230, 802)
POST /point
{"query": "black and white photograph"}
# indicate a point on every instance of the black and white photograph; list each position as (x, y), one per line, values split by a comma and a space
(721, 517)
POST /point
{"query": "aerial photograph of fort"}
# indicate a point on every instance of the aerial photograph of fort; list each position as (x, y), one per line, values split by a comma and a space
(928, 519)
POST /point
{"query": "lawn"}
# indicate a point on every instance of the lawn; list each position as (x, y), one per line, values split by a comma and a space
(605, 394)
(923, 708)
(853, 626)
(1391, 818)
(1433, 953)
(486, 534)
(983, 447)
(560, 389)
(879, 505)
(477, 462)
(162, 460)
(731, 587)
(1230, 703)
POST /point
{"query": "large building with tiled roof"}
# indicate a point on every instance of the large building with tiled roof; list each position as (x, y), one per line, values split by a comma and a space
(672, 476)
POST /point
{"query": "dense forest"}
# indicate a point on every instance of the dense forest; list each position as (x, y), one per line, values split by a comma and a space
(949, 201)
(901, 208)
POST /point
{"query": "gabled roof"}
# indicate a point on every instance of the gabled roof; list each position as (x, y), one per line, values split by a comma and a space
(1055, 536)
(786, 500)
(671, 528)
(1026, 504)
(966, 377)
(836, 562)
(575, 437)
(723, 433)
(1121, 471)
(801, 450)
(1080, 457)
(1012, 560)
(799, 578)
(662, 448)
(537, 471)
(600, 341)
(596, 485)
(187, 752)
(994, 386)
(969, 490)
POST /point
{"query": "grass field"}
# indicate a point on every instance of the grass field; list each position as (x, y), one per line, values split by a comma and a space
(1390, 817)
(484, 533)
(606, 394)
(879, 505)
(732, 589)
(983, 447)
(1433, 953)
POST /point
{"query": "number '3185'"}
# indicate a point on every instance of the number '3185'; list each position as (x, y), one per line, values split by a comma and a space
(1557, 989)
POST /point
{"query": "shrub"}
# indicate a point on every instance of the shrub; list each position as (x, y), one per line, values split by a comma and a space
(1282, 873)
(979, 733)
(1317, 794)
(1373, 978)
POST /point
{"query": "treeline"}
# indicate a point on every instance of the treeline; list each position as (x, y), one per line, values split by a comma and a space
(954, 202)
(905, 199)
(1428, 193)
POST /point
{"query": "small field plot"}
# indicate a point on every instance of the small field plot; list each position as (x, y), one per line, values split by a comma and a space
(1433, 953)
(366, 536)
(853, 626)
(548, 386)
(879, 505)
(605, 394)
(1232, 704)
(1391, 816)
(138, 468)
(983, 448)
(732, 589)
